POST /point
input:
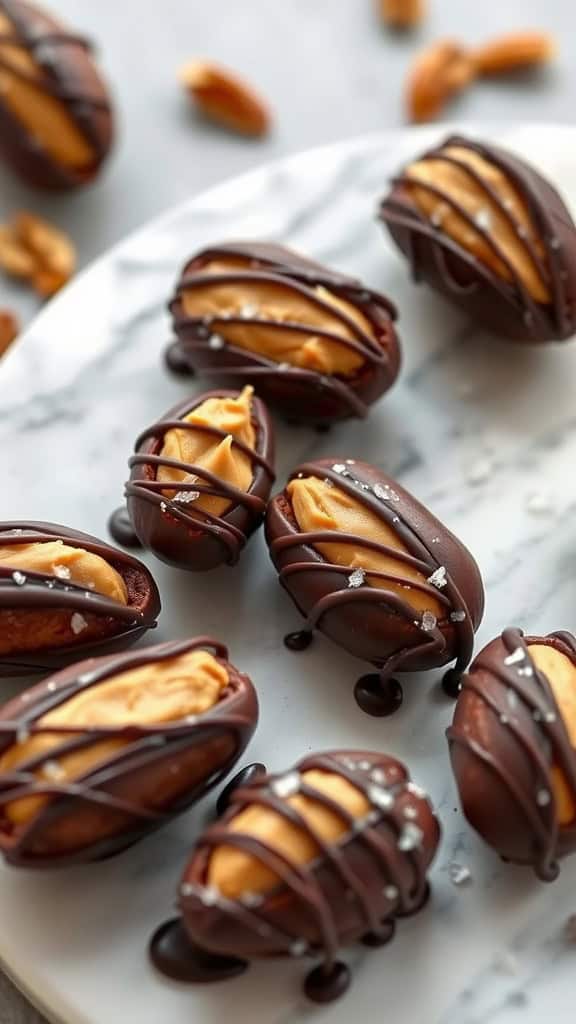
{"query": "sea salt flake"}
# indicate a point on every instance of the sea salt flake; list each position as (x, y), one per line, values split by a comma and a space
(391, 892)
(54, 771)
(62, 572)
(78, 623)
(385, 493)
(350, 462)
(543, 798)
(459, 874)
(186, 497)
(51, 687)
(378, 776)
(19, 578)
(380, 797)
(248, 310)
(298, 947)
(187, 889)
(410, 837)
(209, 895)
(550, 716)
(483, 219)
(504, 719)
(410, 812)
(438, 578)
(457, 616)
(517, 655)
(215, 341)
(327, 482)
(554, 244)
(429, 622)
(284, 367)
(251, 899)
(191, 719)
(340, 468)
(286, 785)
(364, 766)
(163, 506)
(417, 790)
(356, 579)
(526, 670)
(50, 584)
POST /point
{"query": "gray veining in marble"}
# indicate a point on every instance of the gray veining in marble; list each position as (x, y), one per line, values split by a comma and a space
(483, 432)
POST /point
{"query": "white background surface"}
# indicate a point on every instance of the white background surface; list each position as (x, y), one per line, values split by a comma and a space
(328, 70)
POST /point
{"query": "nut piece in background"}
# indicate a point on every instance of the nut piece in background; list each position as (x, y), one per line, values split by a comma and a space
(491, 234)
(513, 748)
(317, 344)
(439, 73)
(330, 853)
(514, 52)
(402, 14)
(9, 329)
(56, 121)
(108, 750)
(37, 252)
(221, 96)
(377, 572)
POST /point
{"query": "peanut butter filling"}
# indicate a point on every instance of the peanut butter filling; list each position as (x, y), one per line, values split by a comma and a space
(44, 116)
(234, 872)
(318, 505)
(154, 694)
(74, 565)
(220, 457)
(281, 304)
(561, 675)
(487, 214)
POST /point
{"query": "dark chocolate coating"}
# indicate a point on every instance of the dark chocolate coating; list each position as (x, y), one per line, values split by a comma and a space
(70, 75)
(175, 531)
(374, 872)
(162, 771)
(505, 307)
(111, 626)
(374, 624)
(301, 395)
(506, 736)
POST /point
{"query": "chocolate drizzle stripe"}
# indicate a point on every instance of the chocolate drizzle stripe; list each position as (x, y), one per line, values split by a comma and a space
(204, 428)
(42, 590)
(391, 512)
(144, 745)
(302, 881)
(536, 694)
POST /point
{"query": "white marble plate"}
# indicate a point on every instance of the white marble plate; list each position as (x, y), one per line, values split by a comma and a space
(483, 432)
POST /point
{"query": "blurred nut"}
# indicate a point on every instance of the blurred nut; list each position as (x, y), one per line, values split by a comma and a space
(222, 97)
(9, 329)
(402, 13)
(36, 251)
(439, 73)
(14, 258)
(511, 52)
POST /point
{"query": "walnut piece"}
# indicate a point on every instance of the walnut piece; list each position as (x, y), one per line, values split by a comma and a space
(513, 52)
(224, 98)
(440, 72)
(9, 329)
(402, 13)
(38, 252)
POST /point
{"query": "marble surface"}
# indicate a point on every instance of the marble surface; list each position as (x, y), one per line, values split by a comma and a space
(482, 432)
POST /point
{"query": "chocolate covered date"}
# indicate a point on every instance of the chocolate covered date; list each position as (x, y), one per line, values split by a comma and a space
(330, 853)
(97, 756)
(56, 121)
(486, 230)
(64, 595)
(200, 480)
(513, 748)
(317, 345)
(375, 571)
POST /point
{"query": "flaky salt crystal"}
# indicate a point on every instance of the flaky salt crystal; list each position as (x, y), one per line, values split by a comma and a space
(438, 578)
(429, 622)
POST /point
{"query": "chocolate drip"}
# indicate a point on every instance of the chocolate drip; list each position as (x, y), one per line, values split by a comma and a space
(419, 556)
(242, 778)
(550, 744)
(394, 883)
(177, 958)
(144, 746)
(273, 265)
(378, 695)
(43, 46)
(121, 529)
(144, 487)
(177, 361)
(399, 211)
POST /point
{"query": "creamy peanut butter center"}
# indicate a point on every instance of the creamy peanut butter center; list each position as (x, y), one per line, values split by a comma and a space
(218, 456)
(460, 187)
(319, 505)
(561, 675)
(74, 565)
(234, 872)
(44, 116)
(281, 304)
(154, 694)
